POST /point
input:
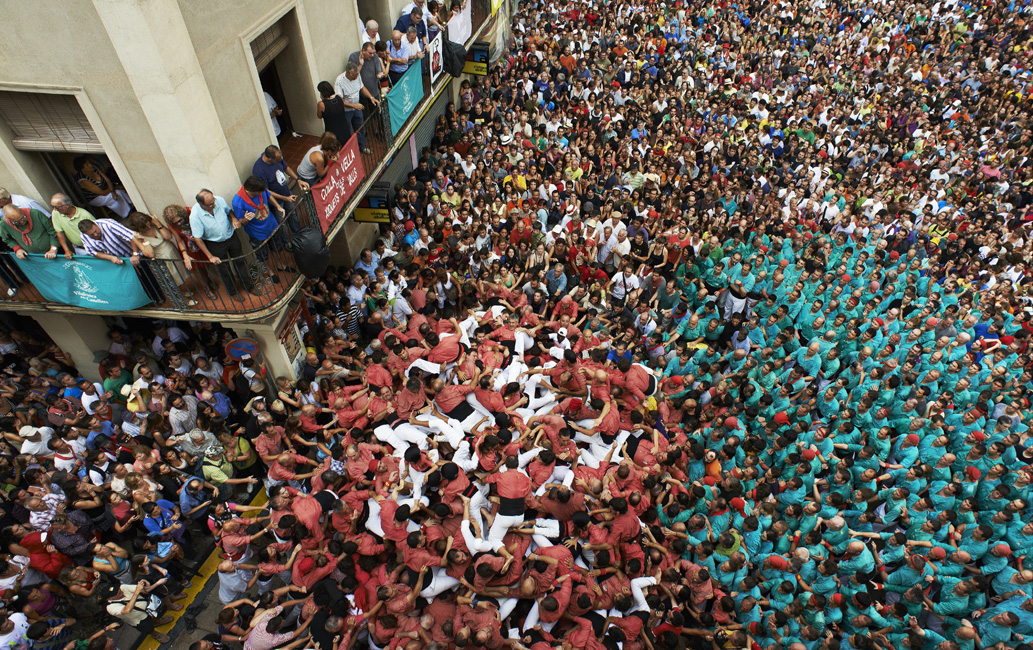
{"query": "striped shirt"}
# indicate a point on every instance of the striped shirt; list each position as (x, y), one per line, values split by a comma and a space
(115, 239)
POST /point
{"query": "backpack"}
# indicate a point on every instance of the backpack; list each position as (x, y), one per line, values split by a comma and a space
(240, 383)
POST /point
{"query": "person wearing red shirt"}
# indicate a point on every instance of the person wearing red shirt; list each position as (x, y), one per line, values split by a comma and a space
(550, 609)
(410, 399)
(393, 518)
(485, 625)
(490, 399)
(447, 350)
(513, 486)
(378, 376)
(565, 307)
(635, 379)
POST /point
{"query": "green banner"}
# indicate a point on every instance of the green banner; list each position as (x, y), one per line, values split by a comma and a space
(86, 282)
(403, 99)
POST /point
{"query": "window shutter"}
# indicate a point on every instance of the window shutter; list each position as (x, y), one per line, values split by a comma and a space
(48, 122)
(268, 44)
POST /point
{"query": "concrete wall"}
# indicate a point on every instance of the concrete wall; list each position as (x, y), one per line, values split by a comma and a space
(66, 47)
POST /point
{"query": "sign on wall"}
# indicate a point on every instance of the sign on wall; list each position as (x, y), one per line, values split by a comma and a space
(434, 54)
(344, 176)
(477, 59)
(290, 339)
(86, 282)
(373, 209)
(403, 99)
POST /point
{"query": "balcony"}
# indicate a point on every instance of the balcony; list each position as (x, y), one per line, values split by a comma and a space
(266, 277)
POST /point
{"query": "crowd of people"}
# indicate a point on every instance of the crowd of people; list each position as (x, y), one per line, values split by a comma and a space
(697, 326)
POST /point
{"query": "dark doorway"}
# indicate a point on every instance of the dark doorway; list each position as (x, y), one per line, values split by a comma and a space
(271, 84)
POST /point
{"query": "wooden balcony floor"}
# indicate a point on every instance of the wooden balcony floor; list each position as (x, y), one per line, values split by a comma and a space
(294, 149)
(265, 295)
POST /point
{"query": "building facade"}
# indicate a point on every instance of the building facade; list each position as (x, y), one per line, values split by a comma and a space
(172, 96)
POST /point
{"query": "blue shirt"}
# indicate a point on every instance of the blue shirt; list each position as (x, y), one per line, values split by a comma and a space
(164, 520)
(106, 431)
(188, 502)
(258, 228)
(555, 285)
(401, 52)
(274, 175)
(215, 227)
(221, 403)
(405, 22)
(370, 268)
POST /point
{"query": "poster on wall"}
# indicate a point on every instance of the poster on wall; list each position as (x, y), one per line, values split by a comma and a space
(460, 27)
(341, 181)
(434, 54)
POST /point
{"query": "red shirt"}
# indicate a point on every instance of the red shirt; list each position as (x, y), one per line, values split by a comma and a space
(446, 351)
(407, 402)
(512, 484)
(583, 636)
(394, 531)
(562, 597)
(490, 399)
(378, 375)
(452, 396)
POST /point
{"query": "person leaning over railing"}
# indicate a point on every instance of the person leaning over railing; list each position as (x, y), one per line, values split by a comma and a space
(371, 71)
(254, 206)
(156, 241)
(317, 160)
(177, 218)
(28, 231)
(213, 228)
(109, 240)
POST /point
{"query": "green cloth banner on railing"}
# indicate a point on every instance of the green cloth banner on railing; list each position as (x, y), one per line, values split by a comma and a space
(86, 282)
(406, 95)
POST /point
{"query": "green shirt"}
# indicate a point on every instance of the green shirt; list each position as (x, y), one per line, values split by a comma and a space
(40, 239)
(70, 225)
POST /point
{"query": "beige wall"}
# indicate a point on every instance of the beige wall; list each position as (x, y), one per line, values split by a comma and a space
(61, 55)
(170, 85)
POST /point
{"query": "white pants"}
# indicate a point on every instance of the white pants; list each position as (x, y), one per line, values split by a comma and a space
(474, 543)
(544, 529)
(532, 620)
(453, 431)
(401, 435)
(733, 305)
(118, 202)
(501, 526)
(464, 458)
(427, 367)
(439, 583)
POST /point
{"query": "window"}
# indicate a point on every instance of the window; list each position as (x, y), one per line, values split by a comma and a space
(268, 44)
(48, 122)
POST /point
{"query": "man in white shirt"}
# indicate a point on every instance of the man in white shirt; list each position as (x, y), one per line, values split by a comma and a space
(274, 112)
(621, 248)
(35, 439)
(91, 394)
(624, 285)
(13, 631)
(372, 32)
(21, 202)
(162, 332)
